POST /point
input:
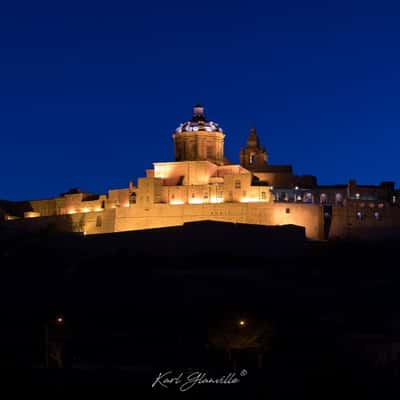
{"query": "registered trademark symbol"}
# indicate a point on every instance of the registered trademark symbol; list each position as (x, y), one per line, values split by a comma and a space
(243, 372)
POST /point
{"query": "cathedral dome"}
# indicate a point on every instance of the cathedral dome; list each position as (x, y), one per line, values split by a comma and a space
(198, 122)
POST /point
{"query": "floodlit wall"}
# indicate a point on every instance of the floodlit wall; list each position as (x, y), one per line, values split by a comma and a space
(163, 215)
(374, 219)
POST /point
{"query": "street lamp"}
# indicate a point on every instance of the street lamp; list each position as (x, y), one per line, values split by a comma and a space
(58, 321)
(242, 323)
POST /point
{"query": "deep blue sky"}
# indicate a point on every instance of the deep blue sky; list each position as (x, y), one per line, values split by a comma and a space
(91, 92)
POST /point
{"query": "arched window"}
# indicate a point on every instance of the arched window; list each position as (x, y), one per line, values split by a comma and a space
(308, 198)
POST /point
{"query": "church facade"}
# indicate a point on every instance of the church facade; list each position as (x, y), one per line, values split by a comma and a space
(202, 184)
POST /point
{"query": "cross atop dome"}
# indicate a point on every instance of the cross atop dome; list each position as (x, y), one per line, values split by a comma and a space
(198, 122)
(198, 113)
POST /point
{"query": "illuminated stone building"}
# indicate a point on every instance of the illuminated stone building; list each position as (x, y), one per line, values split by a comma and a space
(202, 184)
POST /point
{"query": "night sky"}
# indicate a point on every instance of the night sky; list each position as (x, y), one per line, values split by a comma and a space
(91, 92)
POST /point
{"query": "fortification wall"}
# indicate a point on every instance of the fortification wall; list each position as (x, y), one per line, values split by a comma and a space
(45, 207)
(90, 223)
(163, 215)
(371, 223)
(137, 217)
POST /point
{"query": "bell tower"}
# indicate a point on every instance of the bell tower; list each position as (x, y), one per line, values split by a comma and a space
(253, 157)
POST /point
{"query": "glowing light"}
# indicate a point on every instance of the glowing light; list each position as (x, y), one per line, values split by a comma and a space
(196, 201)
(31, 214)
(85, 210)
(71, 212)
(250, 200)
(176, 202)
(97, 209)
(296, 188)
(242, 323)
(126, 205)
(217, 200)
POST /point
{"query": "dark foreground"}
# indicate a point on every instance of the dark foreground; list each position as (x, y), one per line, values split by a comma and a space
(132, 310)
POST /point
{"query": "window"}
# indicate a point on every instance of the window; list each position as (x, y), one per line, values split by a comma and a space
(210, 152)
(172, 196)
(189, 150)
(252, 158)
(244, 193)
(237, 184)
(263, 196)
(192, 195)
(98, 221)
(206, 195)
(377, 216)
(287, 211)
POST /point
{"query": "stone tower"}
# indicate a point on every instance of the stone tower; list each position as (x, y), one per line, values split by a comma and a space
(253, 157)
(199, 139)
